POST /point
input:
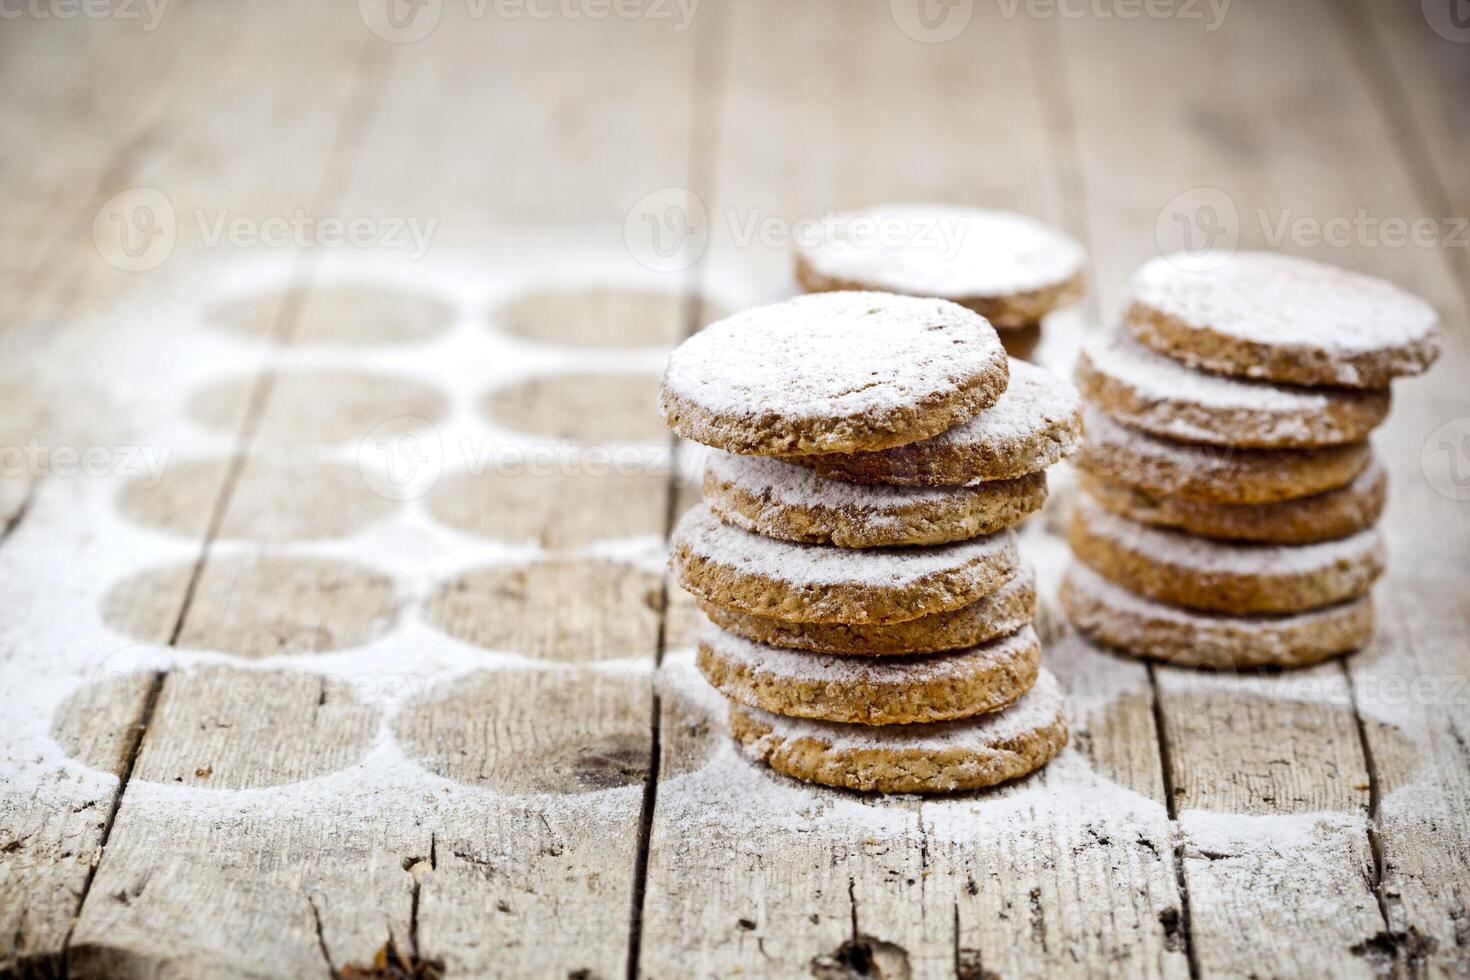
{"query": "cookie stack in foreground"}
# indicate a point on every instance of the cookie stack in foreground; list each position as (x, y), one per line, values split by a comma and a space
(870, 616)
(1231, 497)
(1011, 269)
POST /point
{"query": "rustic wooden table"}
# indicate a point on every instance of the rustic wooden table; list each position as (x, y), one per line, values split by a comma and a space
(326, 650)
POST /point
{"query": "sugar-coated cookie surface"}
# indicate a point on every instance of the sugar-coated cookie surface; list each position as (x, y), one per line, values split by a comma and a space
(1037, 422)
(1160, 395)
(1115, 452)
(871, 690)
(1010, 268)
(1113, 616)
(817, 584)
(1223, 576)
(939, 757)
(784, 500)
(1283, 318)
(1322, 517)
(1003, 611)
(836, 372)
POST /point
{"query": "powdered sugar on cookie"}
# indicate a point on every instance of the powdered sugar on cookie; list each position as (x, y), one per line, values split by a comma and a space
(1323, 324)
(1039, 708)
(939, 250)
(834, 372)
(705, 536)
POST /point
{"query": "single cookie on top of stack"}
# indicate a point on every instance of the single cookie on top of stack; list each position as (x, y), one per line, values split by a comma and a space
(1230, 496)
(870, 616)
(1011, 269)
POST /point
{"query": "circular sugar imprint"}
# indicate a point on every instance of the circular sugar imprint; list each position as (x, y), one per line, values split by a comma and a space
(533, 731)
(256, 606)
(556, 510)
(239, 729)
(271, 500)
(310, 407)
(578, 610)
(345, 315)
(610, 317)
(592, 408)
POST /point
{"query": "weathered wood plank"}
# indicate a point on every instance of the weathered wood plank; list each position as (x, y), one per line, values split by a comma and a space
(753, 873)
(1299, 140)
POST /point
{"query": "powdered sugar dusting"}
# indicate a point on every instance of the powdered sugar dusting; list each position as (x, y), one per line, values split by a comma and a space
(796, 666)
(1229, 557)
(708, 537)
(1036, 401)
(793, 484)
(1123, 603)
(830, 355)
(1156, 377)
(1269, 298)
(1038, 708)
(941, 250)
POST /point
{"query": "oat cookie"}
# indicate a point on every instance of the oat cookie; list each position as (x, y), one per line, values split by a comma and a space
(1004, 611)
(939, 757)
(783, 500)
(1324, 517)
(1158, 394)
(1009, 268)
(837, 372)
(1223, 576)
(1115, 617)
(1285, 319)
(808, 583)
(1216, 474)
(871, 690)
(1037, 422)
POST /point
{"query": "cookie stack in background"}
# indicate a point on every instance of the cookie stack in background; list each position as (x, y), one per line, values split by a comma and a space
(1011, 269)
(870, 615)
(1230, 497)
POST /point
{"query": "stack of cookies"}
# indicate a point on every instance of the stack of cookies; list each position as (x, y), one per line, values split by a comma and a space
(1011, 269)
(870, 616)
(1231, 498)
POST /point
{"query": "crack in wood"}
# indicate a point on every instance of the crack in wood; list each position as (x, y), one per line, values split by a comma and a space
(1171, 802)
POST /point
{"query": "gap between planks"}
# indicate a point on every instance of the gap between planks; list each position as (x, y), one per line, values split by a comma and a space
(708, 76)
(366, 96)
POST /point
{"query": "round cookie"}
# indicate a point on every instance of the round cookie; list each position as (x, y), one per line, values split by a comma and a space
(1004, 611)
(867, 690)
(1158, 394)
(807, 583)
(1115, 617)
(1324, 517)
(1037, 422)
(783, 500)
(939, 757)
(1284, 319)
(836, 372)
(1009, 268)
(1222, 576)
(1216, 474)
